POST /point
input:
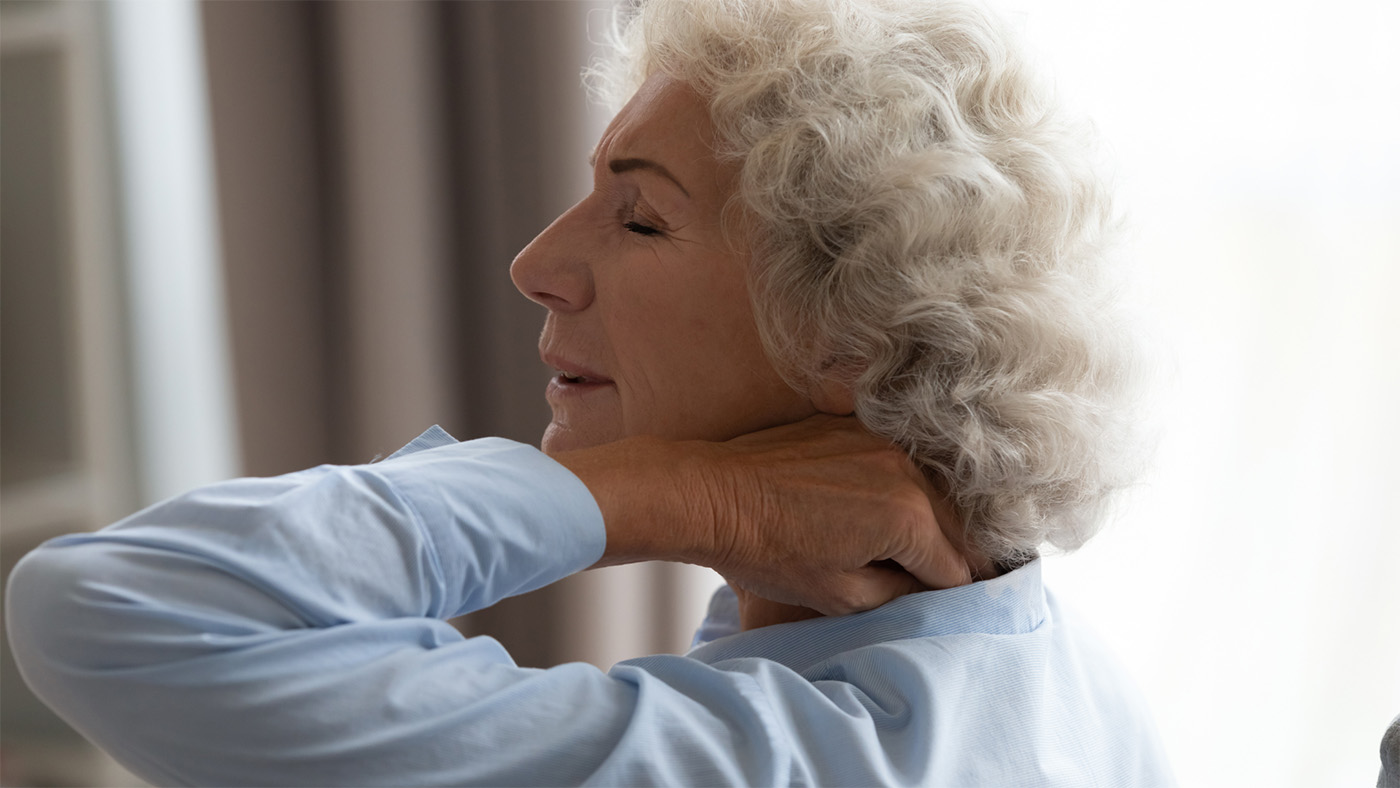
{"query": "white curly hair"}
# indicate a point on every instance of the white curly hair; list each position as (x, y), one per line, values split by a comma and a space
(928, 230)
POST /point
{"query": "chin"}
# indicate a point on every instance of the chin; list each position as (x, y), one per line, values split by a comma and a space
(557, 438)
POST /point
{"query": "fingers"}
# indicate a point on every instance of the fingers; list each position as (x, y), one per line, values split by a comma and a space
(929, 554)
(829, 498)
(937, 568)
(869, 588)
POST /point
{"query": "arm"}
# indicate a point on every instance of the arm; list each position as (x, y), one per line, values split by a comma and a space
(287, 630)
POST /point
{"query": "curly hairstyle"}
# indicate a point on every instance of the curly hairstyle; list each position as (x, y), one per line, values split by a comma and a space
(926, 229)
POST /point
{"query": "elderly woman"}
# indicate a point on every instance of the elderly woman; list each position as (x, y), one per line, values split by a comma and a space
(806, 207)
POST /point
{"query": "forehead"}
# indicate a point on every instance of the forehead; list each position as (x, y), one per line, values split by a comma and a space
(665, 119)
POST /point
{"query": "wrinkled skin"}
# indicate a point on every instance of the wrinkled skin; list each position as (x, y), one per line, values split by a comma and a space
(666, 406)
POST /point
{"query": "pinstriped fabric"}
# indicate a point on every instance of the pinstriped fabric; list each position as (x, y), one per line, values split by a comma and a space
(287, 631)
(1012, 604)
(993, 683)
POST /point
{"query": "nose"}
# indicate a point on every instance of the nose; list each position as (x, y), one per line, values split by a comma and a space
(553, 269)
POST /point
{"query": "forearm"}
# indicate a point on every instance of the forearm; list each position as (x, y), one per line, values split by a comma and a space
(439, 532)
(287, 630)
(264, 604)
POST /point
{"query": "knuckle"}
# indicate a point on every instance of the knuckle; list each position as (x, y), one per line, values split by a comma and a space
(890, 459)
(847, 598)
(954, 570)
(912, 510)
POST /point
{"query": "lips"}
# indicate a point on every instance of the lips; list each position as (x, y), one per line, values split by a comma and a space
(573, 376)
(573, 371)
(568, 378)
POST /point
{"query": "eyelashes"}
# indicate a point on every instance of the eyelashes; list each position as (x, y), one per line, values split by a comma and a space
(635, 217)
(634, 226)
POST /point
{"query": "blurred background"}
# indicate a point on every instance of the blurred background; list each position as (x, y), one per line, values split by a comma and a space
(248, 238)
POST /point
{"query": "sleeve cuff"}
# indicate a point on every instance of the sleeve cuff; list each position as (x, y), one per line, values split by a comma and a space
(501, 518)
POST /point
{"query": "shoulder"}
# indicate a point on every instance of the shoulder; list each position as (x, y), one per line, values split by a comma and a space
(906, 696)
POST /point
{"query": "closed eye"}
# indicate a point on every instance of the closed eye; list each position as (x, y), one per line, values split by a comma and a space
(639, 228)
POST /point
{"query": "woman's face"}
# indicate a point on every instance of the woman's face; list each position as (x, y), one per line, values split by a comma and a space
(649, 327)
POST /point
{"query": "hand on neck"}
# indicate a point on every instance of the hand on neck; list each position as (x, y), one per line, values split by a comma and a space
(756, 611)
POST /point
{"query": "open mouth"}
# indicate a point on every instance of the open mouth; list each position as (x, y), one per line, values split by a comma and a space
(573, 377)
(569, 381)
(567, 378)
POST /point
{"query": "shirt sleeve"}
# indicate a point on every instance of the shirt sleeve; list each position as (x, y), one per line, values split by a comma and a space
(288, 631)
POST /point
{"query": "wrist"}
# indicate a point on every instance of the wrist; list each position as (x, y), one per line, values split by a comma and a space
(652, 495)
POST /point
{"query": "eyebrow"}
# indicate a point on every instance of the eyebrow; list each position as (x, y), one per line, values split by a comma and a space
(619, 166)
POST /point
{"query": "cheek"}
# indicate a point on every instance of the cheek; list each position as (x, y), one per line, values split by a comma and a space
(694, 364)
(661, 342)
(684, 323)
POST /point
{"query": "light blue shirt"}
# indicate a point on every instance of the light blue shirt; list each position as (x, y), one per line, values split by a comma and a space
(290, 631)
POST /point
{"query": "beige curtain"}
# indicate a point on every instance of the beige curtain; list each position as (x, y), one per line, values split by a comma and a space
(379, 164)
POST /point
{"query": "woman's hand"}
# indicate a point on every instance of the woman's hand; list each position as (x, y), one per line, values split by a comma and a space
(822, 514)
(819, 513)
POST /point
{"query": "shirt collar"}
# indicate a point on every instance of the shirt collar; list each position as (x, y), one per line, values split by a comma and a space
(431, 438)
(1011, 604)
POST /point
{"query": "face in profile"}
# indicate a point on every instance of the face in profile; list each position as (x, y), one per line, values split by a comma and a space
(650, 330)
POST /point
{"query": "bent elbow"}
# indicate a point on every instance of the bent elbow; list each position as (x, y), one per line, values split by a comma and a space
(42, 604)
(66, 626)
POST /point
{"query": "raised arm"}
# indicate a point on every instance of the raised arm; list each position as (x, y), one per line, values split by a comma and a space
(290, 630)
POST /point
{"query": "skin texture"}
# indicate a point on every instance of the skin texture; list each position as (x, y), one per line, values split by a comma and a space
(668, 409)
(645, 292)
(817, 517)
